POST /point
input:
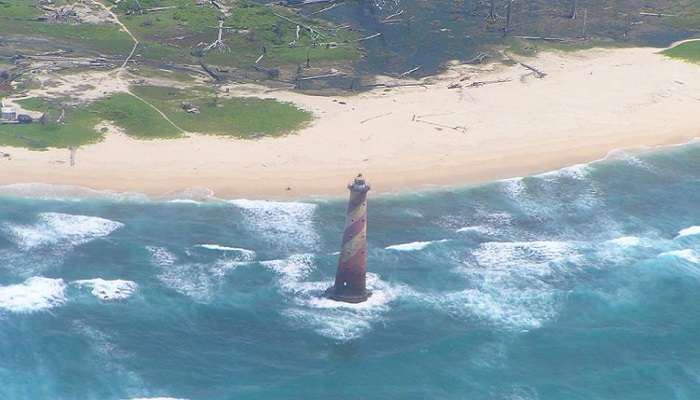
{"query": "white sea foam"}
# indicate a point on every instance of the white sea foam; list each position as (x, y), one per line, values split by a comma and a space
(509, 286)
(161, 256)
(631, 159)
(194, 279)
(517, 254)
(627, 241)
(107, 290)
(198, 281)
(289, 224)
(686, 254)
(157, 398)
(577, 171)
(291, 270)
(414, 246)
(332, 319)
(66, 192)
(338, 320)
(479, 229)
(217, 247)
(691, 231)
(501, 304)
(56, 229)
(34, 294)
(184, 201)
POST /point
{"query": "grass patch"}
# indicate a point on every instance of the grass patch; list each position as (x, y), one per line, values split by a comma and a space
(136, 118)
(148, 72)
(173, 34)
(78, 130)
(688, 51)
(19, 17)
(237, 117)
(530, 48)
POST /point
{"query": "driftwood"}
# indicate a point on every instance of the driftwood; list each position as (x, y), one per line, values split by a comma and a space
(478, 59)
(462, 129)
(649, 14)
(209, 72)
(219, 42)
(410, 71)
(545, 38)
(539, 74)
(307, 27)
(332, 6)
(375, 117)
(484, 83)
(369, 37)
(572, 13)
(155, 9)
(393, 16)
(61, 118)
(331, 75)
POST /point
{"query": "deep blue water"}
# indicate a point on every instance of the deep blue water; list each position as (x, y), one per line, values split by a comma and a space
(579, 284)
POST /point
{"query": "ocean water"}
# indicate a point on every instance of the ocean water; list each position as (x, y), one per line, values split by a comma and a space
(582, 283)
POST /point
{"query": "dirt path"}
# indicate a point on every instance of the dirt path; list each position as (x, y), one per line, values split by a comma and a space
(122, 68)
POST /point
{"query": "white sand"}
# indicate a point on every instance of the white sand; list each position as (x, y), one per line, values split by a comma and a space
(590, 103)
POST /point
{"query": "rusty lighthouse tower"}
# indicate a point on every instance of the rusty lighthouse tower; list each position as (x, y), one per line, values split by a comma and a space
(350, 280)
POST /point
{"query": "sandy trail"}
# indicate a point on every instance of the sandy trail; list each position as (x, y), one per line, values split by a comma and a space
(120, 71)
(590, 103)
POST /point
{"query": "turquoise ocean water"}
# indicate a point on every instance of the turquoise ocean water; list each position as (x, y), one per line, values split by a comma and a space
(582, 283)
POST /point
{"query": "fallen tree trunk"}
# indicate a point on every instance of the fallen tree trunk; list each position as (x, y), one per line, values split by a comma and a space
(539, 74)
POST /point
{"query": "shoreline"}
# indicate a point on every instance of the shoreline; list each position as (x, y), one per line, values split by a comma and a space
(199, 195)
(408, 138)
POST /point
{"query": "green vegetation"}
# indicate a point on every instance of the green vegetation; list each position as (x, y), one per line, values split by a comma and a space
(21, 17)
(137, 119)
(177, 34)
(688, 51)
(155, 73)
(687, 14)
(529, 48)
(78, 130)
(237, 117)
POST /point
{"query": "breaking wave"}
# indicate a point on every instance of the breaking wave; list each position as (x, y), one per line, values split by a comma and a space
(56, 229)
(288, 224)
(686, 254)
(197, 280)
(32, 295)
(337, 320)
(331, 319)
(109, 290)
(218, 247)
(510, 283)
(691, 231)
(414, 246)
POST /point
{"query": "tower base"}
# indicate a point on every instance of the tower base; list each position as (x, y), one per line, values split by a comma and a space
(353, 298)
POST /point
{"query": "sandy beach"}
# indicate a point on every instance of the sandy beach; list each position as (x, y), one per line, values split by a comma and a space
(406, 138)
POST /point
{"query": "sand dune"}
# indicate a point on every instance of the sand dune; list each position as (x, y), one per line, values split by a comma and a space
(590, 103)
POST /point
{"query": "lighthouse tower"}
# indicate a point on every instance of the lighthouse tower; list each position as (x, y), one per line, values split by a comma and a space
(350, 280)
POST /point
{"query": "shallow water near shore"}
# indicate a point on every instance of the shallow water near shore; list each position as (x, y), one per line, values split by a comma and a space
(583, 283)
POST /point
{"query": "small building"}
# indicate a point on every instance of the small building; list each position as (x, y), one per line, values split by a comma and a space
(8, 114)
